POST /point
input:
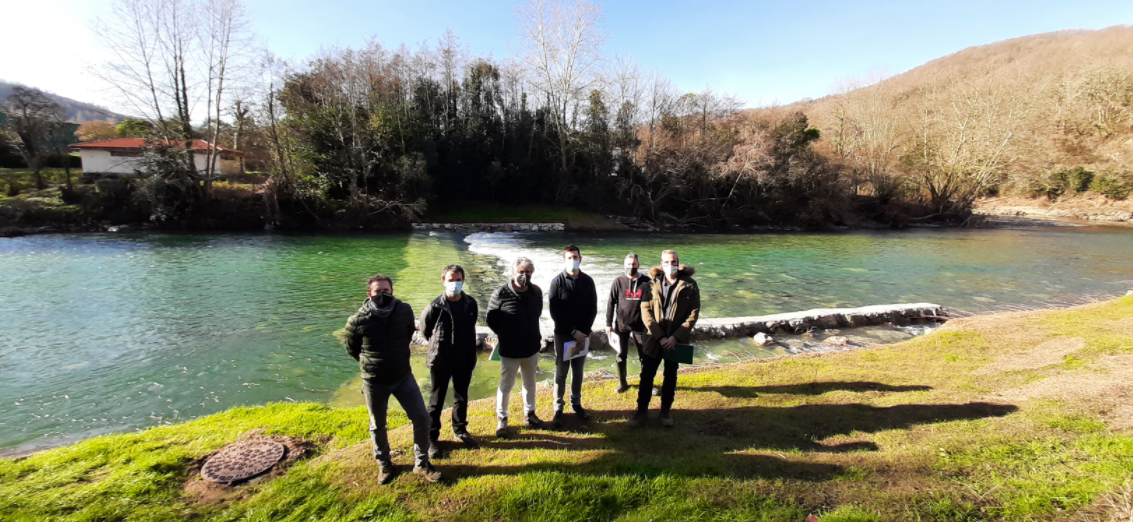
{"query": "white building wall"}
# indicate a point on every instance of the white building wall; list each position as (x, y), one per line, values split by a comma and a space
(102, 162)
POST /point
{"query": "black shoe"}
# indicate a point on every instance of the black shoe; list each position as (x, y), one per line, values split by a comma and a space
(426, 471)
(386, 472)
(557, 422)
(639, 419)
(501, 429)
(468, 440)
(623, 387)
(581, 413)
(435, 451)
(533, 421)
(666, 420)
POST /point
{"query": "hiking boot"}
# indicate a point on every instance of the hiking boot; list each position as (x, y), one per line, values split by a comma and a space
(639, 419)
(435, 451)
(533, 421)
(623, 387)
(557, 421)
(501, 428)
(581, 413)
(468, 440)
(666, 420)
(386, 471)
(425, 470)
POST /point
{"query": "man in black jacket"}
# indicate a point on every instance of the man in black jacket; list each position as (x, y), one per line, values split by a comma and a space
(449, 325)
(513, 315)
(377, 336)
(625, 302)
(574, 304)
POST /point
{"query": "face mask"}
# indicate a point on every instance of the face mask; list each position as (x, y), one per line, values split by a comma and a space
(453, 288)
(671, 270)
(631, 272)
(384, 299)
(572, 265)
(521, 280)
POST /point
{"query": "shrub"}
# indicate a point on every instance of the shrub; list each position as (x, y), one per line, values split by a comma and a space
(13, 189)
(1112, 185)
(1057, 183)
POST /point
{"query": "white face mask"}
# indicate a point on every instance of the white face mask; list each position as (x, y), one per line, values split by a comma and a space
(453, 288)
(671, 270)
(572, 265)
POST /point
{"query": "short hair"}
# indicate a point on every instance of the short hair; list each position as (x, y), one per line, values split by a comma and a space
(377, 278)
(453, 268)
(631, 255)
(523, 262)
(678, 258)
(572, 248)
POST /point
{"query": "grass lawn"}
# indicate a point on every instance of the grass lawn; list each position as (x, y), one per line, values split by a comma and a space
(1021, 416)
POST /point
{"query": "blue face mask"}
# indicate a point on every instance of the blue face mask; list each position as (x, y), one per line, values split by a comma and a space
(453, 288)
(572, 265)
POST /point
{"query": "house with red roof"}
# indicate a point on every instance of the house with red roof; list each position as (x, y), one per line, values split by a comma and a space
(122, 156)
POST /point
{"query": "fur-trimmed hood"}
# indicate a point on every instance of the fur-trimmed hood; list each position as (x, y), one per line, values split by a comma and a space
(685, 271)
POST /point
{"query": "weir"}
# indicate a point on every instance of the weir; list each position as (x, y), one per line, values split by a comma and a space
(793, 322)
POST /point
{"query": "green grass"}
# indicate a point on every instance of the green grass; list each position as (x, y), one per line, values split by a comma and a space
(906, 432)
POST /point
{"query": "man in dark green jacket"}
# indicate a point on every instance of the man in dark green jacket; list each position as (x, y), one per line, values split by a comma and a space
(449, 325)
(378, 336)
(669, 317)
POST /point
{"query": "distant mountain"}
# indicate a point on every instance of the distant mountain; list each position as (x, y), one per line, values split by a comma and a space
(76, 111)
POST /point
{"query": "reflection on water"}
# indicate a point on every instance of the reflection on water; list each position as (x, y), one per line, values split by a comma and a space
(104, 332)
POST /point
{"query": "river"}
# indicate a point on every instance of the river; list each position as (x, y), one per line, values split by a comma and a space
(111, 332)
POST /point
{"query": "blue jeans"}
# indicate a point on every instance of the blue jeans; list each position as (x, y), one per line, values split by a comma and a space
(576, 367)
(408, 394)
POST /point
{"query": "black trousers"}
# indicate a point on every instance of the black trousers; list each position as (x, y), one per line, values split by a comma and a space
(649, 366)
(625, 337)
(440, 377)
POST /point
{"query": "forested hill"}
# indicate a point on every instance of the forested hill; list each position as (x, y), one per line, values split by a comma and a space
(76, 111)
(1021, 110)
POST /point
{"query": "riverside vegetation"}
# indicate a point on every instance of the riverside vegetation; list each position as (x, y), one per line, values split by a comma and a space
(1016, 416)
(376, 136)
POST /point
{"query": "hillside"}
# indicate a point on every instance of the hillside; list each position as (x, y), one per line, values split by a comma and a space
(76, 111)
(1004, 115)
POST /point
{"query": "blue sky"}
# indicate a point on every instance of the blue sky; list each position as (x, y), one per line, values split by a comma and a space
(762, 51)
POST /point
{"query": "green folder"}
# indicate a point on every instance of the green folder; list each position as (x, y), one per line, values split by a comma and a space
(495, 353)
(682, 354)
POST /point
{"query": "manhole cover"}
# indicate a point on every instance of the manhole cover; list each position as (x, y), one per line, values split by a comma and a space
(241, 461)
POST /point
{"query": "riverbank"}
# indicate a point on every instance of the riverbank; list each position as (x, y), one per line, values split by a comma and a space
(1004, 417)
(1091, 209)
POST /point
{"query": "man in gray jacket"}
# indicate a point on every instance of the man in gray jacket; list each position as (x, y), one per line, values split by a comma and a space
(377, 336)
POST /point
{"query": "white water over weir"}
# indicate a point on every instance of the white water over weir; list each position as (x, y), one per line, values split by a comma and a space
(793, 322)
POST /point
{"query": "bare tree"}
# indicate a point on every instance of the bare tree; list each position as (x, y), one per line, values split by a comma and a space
(561, 46)
(226, 39)
(32, 117)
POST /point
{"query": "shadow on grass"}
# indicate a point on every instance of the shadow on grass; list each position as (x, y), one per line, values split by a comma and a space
(813, 388)
(746, 441)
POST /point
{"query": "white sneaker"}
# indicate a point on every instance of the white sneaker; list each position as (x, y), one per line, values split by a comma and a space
(501, 428)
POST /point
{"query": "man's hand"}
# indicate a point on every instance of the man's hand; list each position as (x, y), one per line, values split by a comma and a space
(609, 333)
(669, 343)
(580, 337)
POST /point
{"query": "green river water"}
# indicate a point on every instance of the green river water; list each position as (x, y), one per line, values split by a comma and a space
(111, 332)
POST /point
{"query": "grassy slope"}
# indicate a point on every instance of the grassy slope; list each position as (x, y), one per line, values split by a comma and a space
(910, 431)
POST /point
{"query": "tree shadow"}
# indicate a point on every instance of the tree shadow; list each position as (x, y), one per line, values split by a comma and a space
(746, 441)
(813, 388)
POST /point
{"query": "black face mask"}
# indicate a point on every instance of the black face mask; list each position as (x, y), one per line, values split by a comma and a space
(632, 272)
(521, 280)
(383, 300)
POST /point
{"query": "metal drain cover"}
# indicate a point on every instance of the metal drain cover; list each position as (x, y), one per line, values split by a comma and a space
(241, 461)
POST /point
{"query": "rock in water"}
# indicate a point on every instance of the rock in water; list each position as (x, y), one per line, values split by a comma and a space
(762, 339)
(840, 341)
